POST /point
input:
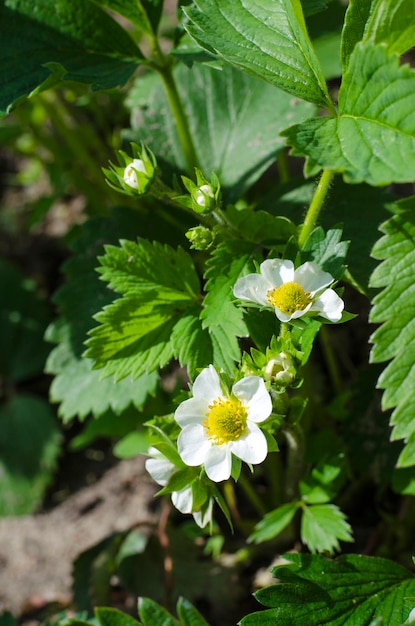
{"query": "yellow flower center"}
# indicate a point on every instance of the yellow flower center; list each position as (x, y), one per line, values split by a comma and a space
(226, 420)
(289, 298)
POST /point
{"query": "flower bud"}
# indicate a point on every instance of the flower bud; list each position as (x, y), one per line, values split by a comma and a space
(280, 369)
(200, 237)
(135, 175)
(203, 195)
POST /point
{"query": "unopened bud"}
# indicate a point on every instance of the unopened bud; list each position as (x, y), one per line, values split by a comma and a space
(204, 196)
(280, 369)
(130, 172)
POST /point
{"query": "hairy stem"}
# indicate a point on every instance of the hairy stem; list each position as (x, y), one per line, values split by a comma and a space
(315, 206)
(180, 117)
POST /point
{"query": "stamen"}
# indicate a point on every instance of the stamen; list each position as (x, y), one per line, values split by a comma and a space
(289, 297)
(226, 420)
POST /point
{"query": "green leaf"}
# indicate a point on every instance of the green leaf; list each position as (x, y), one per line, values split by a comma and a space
(133, 444)
(79, 389)
(55, 39)
(348, 591)
(192, 343)
(310, 7)
(355, 21)
(393, 307)
(268, 39)
(381, 21)
(29, 447)
(145, 14)
(322, 526)
(158, 284)
(391, 23)
(152, 614)
(327, 250)
(235, 120)
(274, 522)
(220, 315)
(23, 320)
(113, 617)
(261, 227)
(188, 615)
(373, 138)
(77, 386)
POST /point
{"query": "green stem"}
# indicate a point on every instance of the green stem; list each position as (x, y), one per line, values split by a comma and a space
(331, 361)
(283, 167)
(180, 117)
(315, 206)
(295, 441)
(252, 495)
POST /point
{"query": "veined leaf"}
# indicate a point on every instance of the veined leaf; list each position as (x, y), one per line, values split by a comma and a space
(107, 616)
(152, 614)
(323, 526)
(235, 120)
(220, 315)
(145, 14)
(56, 39)
(268, 39)
(78, 388)
(355, 21)
(158, 285)
(392, 23)
(348, 591)
(327, 250)
(188, 615)
(394, 307)
(373, 138)
(381, 21)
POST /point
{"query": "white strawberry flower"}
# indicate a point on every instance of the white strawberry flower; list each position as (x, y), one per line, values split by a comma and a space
(217, 423)
(161, 470)
(291, 293)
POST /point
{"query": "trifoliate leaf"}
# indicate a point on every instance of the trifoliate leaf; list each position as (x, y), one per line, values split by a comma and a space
(393, 307)
(29, 447)
(158, 285)
(323, 526)
(373, 137)
(235, 120)
(351, 590)
(268, 39)
(61, 39)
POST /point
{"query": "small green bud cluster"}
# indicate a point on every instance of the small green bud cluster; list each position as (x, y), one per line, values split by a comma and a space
(200, 237)
(134, 175)
(204, 195)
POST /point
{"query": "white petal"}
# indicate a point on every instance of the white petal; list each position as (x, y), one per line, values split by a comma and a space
(277, 271)
(253, 288)
(252, 448)
(218, 463)
(183, 500)
(202, 519)
(193, 445)
(160, 469)
(329, 305)
(312, 278)
(191, 411)
(251, 391)
(207, 385)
